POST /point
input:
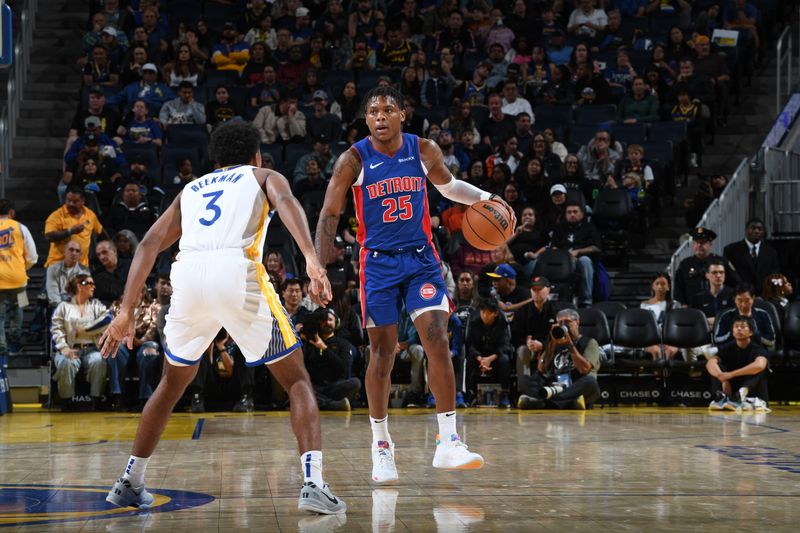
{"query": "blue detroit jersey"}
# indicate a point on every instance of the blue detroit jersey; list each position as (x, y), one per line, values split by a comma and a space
(391, 198)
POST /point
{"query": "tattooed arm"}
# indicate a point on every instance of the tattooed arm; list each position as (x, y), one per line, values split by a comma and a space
(345, 173)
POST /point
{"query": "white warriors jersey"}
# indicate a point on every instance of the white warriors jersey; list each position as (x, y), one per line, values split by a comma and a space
(225, 209)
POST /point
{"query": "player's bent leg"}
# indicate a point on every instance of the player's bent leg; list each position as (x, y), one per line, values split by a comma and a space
(315, 496)
(451, 452)
(128, 493)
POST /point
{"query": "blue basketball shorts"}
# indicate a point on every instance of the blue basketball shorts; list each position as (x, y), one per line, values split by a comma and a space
(390, 279)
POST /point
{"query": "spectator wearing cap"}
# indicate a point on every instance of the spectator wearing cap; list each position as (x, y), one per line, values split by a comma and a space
(691, 275)
(530, 331)
(476, 90)
(582, 240)
(132, 212)
(184, 109)
(302, 26)
(221, 109)
(95, 145)
(141, 175)
(141, 129)
(489, 351)
(230, 53)
(73, 221)
(321, 151)
(395, 54)
(92, 37)
(328, 358)
(557, 50)
(108, 118)
(116, 43)
(557, 205)
(286, 122)
(510, 296)
(598, 159)
(154, 93)
(100, 70)
(321, 124)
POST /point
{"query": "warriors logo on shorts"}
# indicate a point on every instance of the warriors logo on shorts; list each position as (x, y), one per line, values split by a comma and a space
(427, 291)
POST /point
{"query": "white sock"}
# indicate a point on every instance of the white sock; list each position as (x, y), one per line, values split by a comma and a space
(311, 463)
(380, 429)
(447, 425)
(134, 472)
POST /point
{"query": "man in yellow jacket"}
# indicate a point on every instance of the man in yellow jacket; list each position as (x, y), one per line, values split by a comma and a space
(17, 255)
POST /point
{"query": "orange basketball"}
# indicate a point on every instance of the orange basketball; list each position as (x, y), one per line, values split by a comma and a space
(487, 225)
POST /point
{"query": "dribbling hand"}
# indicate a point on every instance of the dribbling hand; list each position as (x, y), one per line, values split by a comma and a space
(320, 288)
(121, 329)
(511, 215)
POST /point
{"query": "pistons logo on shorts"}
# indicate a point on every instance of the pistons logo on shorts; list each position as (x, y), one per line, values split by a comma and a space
(427, 291)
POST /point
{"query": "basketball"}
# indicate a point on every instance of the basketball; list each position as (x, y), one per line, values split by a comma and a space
(487, 225)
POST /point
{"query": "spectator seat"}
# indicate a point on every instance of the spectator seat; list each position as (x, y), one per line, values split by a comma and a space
(686, 328)
(635, 329)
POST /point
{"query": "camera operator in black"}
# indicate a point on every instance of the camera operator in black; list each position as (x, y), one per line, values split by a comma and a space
(328, 359)
(567, 353)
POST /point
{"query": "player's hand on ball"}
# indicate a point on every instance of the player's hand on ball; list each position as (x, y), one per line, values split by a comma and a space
(511, 215)
(320, 288)
(121, 329)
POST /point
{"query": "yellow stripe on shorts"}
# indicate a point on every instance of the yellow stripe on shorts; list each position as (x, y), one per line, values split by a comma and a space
(253, 251)
(275, 306)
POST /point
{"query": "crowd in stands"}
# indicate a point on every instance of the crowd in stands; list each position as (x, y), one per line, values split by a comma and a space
(580, 114)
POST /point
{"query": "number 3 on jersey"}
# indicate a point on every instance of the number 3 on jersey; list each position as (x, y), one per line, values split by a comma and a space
(213, 207)
(393, 205)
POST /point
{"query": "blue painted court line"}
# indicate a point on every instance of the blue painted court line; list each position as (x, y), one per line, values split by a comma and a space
(198, 429)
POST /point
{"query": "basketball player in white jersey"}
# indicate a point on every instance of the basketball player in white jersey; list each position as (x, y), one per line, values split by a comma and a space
(218, 282)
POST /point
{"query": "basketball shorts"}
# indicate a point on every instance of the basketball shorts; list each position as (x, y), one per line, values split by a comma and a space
(390, 279)
(223, 289)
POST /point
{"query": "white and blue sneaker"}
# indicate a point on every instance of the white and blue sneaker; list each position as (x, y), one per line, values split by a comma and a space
(383, 468)
(122, 494)
(319, 500)
(453, 454)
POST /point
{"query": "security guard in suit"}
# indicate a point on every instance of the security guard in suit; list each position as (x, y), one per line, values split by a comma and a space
(691, 276)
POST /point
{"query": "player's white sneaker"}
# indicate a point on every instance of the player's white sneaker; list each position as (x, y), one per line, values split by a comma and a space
(383, 467)
(758, 405)
(454, 455)
(123, 494)
(319, 500)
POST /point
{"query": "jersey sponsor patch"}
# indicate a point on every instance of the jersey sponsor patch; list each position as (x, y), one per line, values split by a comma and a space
(427, 291)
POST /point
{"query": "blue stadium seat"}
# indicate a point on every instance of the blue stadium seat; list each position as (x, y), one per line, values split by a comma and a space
(215, 78)
(554, 114)
(595, 114)
(630, 133)
(582, 134)
(335, 80)
(668, 131)
(367, 79)
(170, 155)
(294, 152)
(187, 135)
(660, 151)
(218, 14)
(275, 150)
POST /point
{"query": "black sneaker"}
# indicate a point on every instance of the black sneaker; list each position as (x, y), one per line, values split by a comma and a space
(197, 404)
(529, 402)
(245, 405)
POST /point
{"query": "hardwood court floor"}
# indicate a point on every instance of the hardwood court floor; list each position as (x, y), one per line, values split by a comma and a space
(605, 470)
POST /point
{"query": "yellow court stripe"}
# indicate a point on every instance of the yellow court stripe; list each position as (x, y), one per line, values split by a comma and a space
(253, 251)
(275, 305)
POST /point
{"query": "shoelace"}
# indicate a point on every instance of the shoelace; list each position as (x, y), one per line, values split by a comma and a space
(385, 458)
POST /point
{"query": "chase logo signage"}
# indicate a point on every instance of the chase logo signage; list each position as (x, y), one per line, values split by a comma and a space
(49, 504)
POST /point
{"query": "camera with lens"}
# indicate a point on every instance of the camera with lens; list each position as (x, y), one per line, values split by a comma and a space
(311, 324)
(559, 332)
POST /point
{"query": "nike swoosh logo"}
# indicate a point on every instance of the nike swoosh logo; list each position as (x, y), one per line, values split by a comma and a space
(332, 500)
(375, 165)
(419, 250)
(449, 414)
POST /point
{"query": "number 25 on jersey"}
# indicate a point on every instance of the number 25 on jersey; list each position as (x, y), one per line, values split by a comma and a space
(399, 208)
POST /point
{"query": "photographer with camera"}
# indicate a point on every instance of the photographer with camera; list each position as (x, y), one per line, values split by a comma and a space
(569, 363)
(328, 359)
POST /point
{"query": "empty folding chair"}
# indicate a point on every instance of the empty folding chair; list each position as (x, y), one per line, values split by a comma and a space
(686, 329)
(634, 330)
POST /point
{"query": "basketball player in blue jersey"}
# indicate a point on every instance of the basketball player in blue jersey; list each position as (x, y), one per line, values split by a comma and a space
(219, 281)
(388, 173)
